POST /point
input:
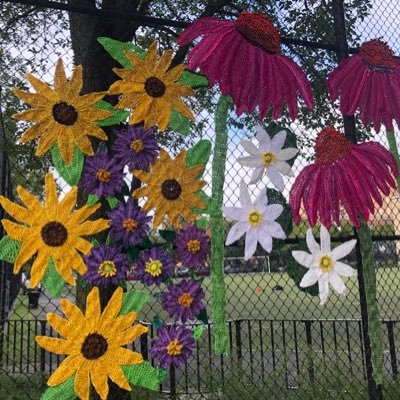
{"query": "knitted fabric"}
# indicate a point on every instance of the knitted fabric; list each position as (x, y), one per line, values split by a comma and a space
(52, 280)
(70, 173)
(395, 152)
(9, 249)
(145, 375)
(116, 117)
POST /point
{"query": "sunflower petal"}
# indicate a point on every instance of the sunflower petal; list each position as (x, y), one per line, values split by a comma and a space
(99, 379)
(15, 210)
(60, 325)
(39, 268)
(75, 86)
(82, 381)
(51, 191)
(91, 227)
(118, 377)
(113, 307)
(174, 74)
(42, 88)
(72, 312)
(36, 130)
(65, 370)
(68, 202)
(129, 336)
(93, 309)
(60, 79)
(55, 345)
(27, 251)
(164, 63)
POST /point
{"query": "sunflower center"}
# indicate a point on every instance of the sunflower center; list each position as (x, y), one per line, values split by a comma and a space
(129, 224)
(94, 346)
(171, 189)
(331, 146)
(174, 348)
(103, 175)
(137, 146)
(64, 113)
(54, 234)
(325, 263)
(269, 159)
(153, 267)
(259, 29)
(193, 246)
(378, 56)
(185, 300)
(254, 218)
(107, 269)
(154, 87)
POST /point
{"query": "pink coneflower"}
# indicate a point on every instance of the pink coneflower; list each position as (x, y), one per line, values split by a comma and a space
(243, 56)
(354, 176)
(369, 81)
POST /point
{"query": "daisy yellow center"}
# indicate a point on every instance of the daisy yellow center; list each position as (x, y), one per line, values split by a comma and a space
(193, 246)
(185, 300)
(255, 218)
(94, 346)
(129, 224)
(153, 267)
(103, 175)
(107, 269)
(64, 114)
(174, 348)
(154, 87)
(137, 146)
(325, 263)
(269, 159)
(54, 234)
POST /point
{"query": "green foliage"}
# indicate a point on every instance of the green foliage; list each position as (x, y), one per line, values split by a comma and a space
(52, 280)
(70, 173)
(9, 249)
(133, 301)
(64, 391)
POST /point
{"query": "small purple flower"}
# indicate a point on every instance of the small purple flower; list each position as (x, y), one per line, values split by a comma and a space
(173, 346)
(136, 147)
(193, 246)
(129, 224)
(184, 300)
(106, 265)
(102, 176)
(154, 266)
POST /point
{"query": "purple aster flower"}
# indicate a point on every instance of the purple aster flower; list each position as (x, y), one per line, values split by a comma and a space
(154, 266)
(106, 265)
(136, 147)
(193, 246)
(184, 300)
(173, 346)
(129, 224)
(102, 176)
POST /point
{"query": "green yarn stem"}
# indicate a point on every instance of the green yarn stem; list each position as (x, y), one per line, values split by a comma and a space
(395, 151)
(374, 326)
(221, 344)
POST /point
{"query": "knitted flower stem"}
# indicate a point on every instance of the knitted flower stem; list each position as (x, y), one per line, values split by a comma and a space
(395, 151)
(221, 344)
(374, 328)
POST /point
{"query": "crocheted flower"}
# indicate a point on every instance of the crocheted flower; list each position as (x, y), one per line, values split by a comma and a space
(173, 346)
(324, 265)
(256, 219)
(353, 176)
(150, 89)
(136, 147)
(51, 230)
(62, 116)
(171, 188)
(94, 344)
(243, 56)
(102, 176)
(128, 223)
(154, 266)
(269, 157)
(184, 300)
(192, 245)
(106, 265)
(369, 81)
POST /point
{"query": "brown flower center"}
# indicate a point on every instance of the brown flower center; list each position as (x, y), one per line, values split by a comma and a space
(137, 146)
(377, 55)
(54, 234)
(171, 189)
(193, 246)
(154, 87)
(103, 175)
(259, 29)
(331, 145)
(64, 113)
(94, 346)
(185, 300)
(129, 224)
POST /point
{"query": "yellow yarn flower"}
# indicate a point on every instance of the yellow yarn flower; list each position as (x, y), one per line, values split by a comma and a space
(93, 344)
(62, 116)
(171, 188)
(50, 230)
(150, 90)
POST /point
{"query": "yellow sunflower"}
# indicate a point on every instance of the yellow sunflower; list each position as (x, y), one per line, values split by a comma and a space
(62, 116)
(51, 230)
(93, 344)
(150, 90)
(171, 188)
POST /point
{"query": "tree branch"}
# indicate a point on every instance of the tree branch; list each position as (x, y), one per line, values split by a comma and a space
(20, 16)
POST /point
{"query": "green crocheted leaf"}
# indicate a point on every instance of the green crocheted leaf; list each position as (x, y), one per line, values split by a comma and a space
(117, 116)
(203, 317)
(144, 375)
(202, 223)
(112, 201)
(179, 123)
(63, 391)
(206, 199)
(198, 331)
(133, 301)
(193, 79)
(70, 173)
(116, 50)
(92, 199)
(52, 280)
(199, 153)
(9, 249)
(167, 235)
(157, 321)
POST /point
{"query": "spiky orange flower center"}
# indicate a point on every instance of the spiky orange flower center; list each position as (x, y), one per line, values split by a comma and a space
(331, 146)
(129, 224)
(137, 146)
(377, 55)
(259, 29)
(193, 246)
(64, 113)
(185, 300)
(103, 175)
(174, 348)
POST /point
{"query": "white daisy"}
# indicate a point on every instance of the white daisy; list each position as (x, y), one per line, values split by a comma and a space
(256, 220)
(268, 156)
(324, 265)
